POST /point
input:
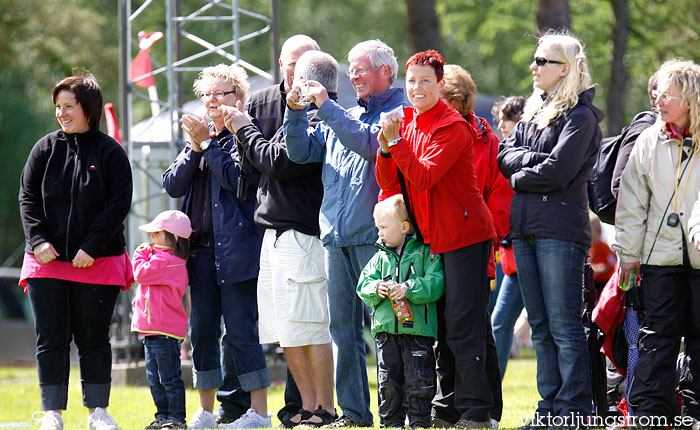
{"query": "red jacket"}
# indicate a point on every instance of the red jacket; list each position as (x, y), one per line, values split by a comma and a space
(494, 186)
(436, 157)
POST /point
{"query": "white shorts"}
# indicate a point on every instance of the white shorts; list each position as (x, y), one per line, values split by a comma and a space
(292, 297)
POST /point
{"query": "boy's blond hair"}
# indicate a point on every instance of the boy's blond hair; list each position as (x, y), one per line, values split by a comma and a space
(395, 207)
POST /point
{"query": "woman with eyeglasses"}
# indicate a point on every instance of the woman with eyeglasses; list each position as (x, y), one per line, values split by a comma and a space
(548, 158)
(657, 222)
(219, 198)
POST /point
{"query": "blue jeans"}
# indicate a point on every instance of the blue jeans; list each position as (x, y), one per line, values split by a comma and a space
(550, 272)
(343, 268)
(238, 304)
(165, 377)
(235, 401)
(509, 304)
(65, 311)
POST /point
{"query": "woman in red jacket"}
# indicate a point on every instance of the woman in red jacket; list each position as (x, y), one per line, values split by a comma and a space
(430, 156)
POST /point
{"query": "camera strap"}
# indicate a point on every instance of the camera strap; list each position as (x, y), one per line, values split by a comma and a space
(671, 200)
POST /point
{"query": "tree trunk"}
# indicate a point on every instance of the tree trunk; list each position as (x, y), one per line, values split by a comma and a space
(615, 102)
(422, 25)
(553, 15)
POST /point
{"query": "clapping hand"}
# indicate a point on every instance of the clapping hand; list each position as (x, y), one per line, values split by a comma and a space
(198, 130)
(391, 129)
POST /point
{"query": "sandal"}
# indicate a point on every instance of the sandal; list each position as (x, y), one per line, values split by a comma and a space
(305, 415)
(324, 415)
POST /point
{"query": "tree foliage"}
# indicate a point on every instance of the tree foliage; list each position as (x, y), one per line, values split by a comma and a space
(40, 42)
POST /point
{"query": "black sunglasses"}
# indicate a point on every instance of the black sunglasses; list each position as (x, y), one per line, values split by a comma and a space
(541, 61)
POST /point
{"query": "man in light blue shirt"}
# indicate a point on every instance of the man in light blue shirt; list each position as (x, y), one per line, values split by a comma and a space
(346, 142)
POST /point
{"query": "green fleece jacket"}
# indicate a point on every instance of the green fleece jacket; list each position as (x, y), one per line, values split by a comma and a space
(424, 277)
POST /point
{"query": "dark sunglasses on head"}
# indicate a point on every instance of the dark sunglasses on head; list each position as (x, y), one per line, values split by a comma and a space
(541, 61)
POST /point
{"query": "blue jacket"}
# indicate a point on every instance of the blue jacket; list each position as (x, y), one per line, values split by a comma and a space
(237, 239)
(346, 142)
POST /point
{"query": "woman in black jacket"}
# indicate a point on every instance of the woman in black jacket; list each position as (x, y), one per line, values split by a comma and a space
(548, 159)
(75, 193)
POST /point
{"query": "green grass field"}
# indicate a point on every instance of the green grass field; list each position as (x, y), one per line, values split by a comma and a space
(133, 408)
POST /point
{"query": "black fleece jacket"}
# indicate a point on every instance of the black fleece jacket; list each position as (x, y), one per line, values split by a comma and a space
(289, 194)
(75, 192)
(549, 170)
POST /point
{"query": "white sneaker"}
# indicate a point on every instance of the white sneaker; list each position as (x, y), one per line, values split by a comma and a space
(101, 420)
(50, 420)
(249, 420)
(494, 424)
(202, 420)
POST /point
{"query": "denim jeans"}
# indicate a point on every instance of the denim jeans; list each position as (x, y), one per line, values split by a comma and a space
(406, 379)
(550, 273)
(65, 311)
(235, 401)
(509, 304)
(343, 268)
(237, 303)
(165, 377)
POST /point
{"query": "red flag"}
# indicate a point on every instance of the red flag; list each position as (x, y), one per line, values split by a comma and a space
(142, 63)
(140, 66)
(112, 123)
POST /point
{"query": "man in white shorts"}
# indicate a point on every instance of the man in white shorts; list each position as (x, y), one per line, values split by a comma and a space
(292, 297)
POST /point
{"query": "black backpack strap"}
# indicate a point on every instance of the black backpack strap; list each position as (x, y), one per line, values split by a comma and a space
(407, 201)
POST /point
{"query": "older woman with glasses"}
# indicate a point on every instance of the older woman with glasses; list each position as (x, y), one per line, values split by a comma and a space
(548, 158)
(210, 174)
(657, 222)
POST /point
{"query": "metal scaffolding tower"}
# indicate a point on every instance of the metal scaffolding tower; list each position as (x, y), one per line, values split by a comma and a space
(153, 143)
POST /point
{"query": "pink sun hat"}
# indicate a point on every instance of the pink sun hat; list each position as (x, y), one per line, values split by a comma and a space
(172, 221)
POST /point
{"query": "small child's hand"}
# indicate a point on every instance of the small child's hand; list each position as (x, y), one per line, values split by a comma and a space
(383, 289)
(144, 246)
(398, 292)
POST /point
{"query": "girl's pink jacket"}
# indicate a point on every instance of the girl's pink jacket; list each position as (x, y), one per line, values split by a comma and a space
(157, 307)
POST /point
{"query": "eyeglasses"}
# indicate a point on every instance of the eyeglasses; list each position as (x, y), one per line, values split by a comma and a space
(541, 61)
(218, 94)
(357, 71)
(663, 97)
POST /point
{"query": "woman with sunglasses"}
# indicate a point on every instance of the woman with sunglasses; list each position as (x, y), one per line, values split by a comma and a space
(548, 158)
(657, 222)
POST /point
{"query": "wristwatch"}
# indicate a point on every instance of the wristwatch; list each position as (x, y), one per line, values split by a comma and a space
(394, 142)
(205, 144)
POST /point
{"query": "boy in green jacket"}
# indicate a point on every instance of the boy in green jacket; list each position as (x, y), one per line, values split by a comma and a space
(403, 269)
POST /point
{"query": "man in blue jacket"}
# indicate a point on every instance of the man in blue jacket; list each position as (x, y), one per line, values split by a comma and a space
(346, 142)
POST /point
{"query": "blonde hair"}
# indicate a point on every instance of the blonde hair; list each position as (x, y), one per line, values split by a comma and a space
(685, 77)
(232, 74)
(393, 206)
(564, 95)
(460, 88)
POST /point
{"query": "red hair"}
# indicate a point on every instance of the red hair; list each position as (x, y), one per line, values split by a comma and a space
(430, 58)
